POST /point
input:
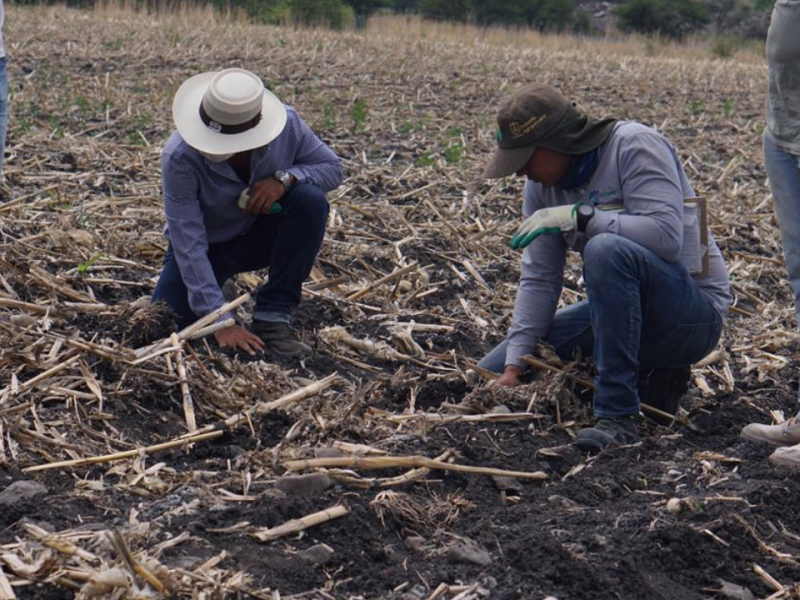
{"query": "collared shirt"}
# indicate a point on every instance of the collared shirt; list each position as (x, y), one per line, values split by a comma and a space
(783, 57)
(639, 169)
(201, 198)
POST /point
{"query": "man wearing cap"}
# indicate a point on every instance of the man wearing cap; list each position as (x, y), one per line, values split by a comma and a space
(244, 182)
(613, 191)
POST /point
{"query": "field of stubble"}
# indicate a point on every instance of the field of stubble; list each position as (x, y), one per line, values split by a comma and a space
(412, 117)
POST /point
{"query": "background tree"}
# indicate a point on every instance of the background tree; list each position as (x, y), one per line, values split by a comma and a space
(672, 18)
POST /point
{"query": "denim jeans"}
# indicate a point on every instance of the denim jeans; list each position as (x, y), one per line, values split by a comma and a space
(287, 243)
(3, 110)
(783, 171)
(642, 312)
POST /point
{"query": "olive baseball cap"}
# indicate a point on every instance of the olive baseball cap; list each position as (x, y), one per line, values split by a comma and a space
(539, 116)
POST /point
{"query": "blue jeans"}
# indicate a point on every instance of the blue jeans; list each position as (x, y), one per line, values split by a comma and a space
(3, 110)
(783, 171)
(287, 243)
(642, 313)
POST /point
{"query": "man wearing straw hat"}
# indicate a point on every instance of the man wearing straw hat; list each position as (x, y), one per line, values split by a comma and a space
(244, 181)
(615, 192)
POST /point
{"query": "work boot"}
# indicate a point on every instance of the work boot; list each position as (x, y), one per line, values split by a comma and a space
(782, 434)
(663, 389)
(608, 432)
(786, 457)
(279, 339)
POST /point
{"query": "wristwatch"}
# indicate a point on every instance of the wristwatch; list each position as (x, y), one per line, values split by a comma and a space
(285, 178)
(584, 214)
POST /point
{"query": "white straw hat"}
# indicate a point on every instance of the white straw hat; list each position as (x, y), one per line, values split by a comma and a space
(224, 112)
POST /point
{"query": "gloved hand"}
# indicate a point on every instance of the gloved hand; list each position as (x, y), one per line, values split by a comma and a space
(545, 220)
(244, 198)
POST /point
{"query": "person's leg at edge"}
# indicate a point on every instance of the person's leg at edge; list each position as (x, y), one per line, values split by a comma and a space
(783, 171)
(634, 292)
(3, 111)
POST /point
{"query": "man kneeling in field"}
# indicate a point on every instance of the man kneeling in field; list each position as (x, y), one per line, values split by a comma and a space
(613, 191)
(244, 183)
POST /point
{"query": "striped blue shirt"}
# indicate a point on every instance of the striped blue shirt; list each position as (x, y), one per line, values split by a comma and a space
(201, 198)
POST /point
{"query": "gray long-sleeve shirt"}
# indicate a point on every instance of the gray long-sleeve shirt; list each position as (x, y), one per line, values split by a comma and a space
(783, 57)
(638, 169)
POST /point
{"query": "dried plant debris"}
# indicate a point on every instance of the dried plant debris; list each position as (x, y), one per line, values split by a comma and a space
(138, 464)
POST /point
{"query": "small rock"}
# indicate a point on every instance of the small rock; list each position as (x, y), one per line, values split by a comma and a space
(23, 320)
(304, 485)
(235, 451)
(320, 554)
(185, 562)
(462, 552)
(500, 409)
(418, 591)
(563, 502)
(19, 492)
(328, 453)
(415, 542)
(596, 541)
(507, 484)
(737, 592)
(684, 506)
(489, 582)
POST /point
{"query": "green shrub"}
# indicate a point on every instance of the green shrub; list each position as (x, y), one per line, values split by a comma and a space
(582, 21)
(672, 18)
(335, 14)
(359, 114)
(725, 47)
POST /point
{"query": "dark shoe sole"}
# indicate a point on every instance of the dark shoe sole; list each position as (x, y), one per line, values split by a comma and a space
(270, 351)
(590, 446)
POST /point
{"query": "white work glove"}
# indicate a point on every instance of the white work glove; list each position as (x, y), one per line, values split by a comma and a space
(545, 220)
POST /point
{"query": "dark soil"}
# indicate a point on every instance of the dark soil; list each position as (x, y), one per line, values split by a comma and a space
(601, 532)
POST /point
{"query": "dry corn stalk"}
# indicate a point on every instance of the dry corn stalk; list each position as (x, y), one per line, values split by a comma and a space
(297, 525)
(389, 462)
(92, 460)
(6, 591)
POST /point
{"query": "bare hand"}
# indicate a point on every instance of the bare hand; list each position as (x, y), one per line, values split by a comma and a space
(510, 376)
(238, 338)
(263, 194)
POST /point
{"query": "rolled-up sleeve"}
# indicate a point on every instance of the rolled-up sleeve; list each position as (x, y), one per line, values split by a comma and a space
(314, 161)
(652, 195)
(187, 232)
(539, 290)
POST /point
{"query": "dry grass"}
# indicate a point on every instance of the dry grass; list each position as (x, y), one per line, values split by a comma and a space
(614, 43)
(413, 27)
